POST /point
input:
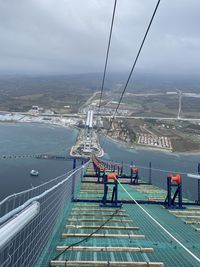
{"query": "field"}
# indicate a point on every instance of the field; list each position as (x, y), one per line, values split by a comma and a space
(158, 105)
(153, 105)
(20, 94)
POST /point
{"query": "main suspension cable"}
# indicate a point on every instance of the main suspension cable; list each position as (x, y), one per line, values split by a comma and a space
(133, 67)
(137, 56)
(107, 55)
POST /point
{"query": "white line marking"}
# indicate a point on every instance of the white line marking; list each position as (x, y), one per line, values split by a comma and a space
(162, 227)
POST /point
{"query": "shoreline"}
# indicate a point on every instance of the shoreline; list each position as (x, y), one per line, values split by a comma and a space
(58, 124)
(136, 147)
(149, 148)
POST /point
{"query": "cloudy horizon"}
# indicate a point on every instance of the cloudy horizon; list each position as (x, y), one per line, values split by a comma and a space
(70, 36)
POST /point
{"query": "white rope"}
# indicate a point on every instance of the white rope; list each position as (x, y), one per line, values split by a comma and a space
(162, 227)
(156, 169)
(153, 169)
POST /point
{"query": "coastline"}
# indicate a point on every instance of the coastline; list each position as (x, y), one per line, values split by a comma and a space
(56, 124)
(136, 147)
(149, 148)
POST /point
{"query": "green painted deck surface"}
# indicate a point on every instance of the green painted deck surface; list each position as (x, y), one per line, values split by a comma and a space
(166, 250)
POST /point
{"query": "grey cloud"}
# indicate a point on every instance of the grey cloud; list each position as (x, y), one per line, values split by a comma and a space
(70, 36)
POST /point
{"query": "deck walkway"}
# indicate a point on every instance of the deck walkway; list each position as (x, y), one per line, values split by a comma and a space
(125, 236)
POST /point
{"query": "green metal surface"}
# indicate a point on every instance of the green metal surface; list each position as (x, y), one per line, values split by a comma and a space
(166, 250)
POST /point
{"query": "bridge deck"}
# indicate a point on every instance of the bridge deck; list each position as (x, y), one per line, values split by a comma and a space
(126, 237)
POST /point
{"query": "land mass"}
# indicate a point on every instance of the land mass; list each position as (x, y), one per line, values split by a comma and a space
(154, 113)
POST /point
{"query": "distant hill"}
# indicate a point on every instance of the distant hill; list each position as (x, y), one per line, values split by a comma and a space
(92, 81)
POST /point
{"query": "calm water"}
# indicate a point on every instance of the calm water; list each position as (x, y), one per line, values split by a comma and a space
(26, 139)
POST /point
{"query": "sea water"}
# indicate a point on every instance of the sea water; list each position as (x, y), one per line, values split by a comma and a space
(20, 139)
(162, 162)
(31, 139)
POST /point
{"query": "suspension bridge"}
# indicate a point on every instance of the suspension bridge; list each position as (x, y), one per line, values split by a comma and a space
(100, 214)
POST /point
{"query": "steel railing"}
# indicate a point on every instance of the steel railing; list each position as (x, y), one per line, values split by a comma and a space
(34, 216)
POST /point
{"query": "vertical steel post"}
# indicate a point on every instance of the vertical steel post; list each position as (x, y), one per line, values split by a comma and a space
(116, 193)
(180, 195)
(198, 184)
(198, 168)
(136, 178)
(74, 164)
(131, 175)
(198, 191)
(73, 179)
(169, 200)
(105, 189)
(150, 172)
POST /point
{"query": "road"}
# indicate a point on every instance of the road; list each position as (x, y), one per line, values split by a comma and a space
(83, 116)
(153, 118)
(88, 102)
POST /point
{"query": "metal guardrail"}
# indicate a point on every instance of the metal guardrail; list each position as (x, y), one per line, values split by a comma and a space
(13, 201)
(24, 246)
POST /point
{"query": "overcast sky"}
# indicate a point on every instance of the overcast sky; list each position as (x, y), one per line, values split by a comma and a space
(70, 36)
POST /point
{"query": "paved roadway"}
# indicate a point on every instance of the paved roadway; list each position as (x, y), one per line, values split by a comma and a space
(83, 116)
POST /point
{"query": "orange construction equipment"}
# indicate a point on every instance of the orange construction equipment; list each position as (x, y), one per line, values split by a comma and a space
(112, 176)
(176, 178)
(134, 175)
(173, 181)
(110, 179)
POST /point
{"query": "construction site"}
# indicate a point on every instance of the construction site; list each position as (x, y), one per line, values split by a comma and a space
(87, 141)
(121, 220)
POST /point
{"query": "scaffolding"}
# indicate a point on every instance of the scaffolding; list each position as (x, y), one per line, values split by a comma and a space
(70, 227)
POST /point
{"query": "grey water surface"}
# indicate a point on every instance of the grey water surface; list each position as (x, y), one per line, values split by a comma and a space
(22, 139)
(162, 163)
(30, 139)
